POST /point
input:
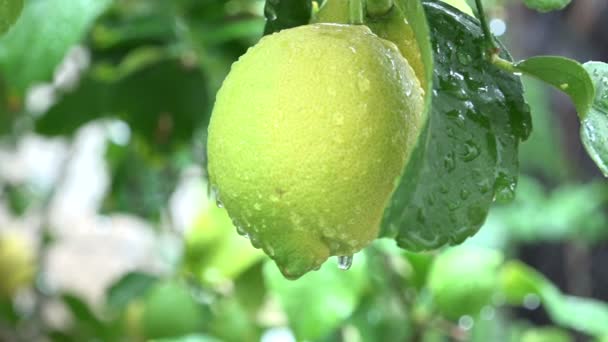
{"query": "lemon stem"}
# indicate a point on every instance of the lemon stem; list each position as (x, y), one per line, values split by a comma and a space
(356, 12)
(378, 8)
(490, 45)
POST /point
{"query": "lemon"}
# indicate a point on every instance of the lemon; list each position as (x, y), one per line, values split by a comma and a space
(309, 134)
(463, 280)
(17, 264)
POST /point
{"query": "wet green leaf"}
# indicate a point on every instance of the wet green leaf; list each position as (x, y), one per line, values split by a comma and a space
(546, 5)
(314, 311)
(467, 156)
(566, 75)
(9, 12)
(32, 49)
(594, 125)
(282, 14)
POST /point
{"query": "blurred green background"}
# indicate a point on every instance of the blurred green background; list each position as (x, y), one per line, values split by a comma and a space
(108, 231)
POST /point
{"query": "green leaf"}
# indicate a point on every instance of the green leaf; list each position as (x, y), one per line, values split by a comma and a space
(131, 286)
(546, 5)
(32, 49)
(163, 102)
(283, 14)
(468, 155)
(570, 212)
(565, 74)
(319, 301)
(594, 125)
(581, 314)
(546, 334)
(188, 338)
(9, 12)
(142, 181)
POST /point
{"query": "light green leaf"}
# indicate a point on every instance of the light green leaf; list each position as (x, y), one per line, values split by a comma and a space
(594, 125)
(565, 74)
(546, 5)
(32, 49)
(581, 314)
(9, 12)
(319, 301)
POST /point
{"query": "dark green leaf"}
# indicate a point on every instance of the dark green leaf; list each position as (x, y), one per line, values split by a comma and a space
(142, 181)
(546, 5)
(86, 324)
(9, 12)
(313, 310)
(594, 125)
(468, 155)
(32, 49)
(565, 74)
(282, 14)
(163, 102)
(131, 286)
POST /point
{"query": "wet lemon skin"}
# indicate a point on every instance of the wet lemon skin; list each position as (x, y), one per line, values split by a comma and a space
(309, 133)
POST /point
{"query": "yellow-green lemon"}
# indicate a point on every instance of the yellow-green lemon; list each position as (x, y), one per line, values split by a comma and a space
(17, 264)
(309, 134)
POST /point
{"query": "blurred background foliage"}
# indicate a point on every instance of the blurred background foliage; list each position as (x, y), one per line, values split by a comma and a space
(108, 231)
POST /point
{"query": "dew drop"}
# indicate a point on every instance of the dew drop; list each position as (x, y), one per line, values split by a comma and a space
(471, 151)
(240, 230)
(219, 203)
(449, 162)
(345, 262)
(464, 194)
(464, 58)
(270, 13)
(564, 86)
(364, 84)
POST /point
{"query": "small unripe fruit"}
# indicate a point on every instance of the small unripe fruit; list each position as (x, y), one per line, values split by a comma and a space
(463, 280)
(17, 264)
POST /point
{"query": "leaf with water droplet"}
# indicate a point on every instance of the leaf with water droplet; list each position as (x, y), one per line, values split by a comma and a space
(594, 125)
(467, 154)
